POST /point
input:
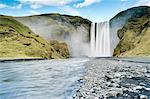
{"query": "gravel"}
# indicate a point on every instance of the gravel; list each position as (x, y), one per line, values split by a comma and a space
(111, 79)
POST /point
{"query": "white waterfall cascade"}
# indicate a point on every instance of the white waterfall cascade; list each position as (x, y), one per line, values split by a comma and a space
(100, 40)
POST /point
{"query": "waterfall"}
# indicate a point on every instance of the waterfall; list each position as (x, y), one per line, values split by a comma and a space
(100, 40)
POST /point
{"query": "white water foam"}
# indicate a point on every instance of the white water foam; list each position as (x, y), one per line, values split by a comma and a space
(100, 40)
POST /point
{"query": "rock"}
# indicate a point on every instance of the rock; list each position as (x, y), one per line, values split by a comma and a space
(115, 92)
(103, 80)
(108, 83)
(111, 85)
(74, 96)
(143, 97)
(147, 75)
(93, 91)
(108, 77)
(80, 80)
(117, 74)
(138, 88)
(116, 85)
(142, 84)
(148, 89)
(81, 98)
(117, 80)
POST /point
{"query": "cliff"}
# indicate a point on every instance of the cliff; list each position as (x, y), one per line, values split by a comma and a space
(134, 32)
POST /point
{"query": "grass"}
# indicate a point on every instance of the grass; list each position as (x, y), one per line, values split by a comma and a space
(18, 41)
(134, 38)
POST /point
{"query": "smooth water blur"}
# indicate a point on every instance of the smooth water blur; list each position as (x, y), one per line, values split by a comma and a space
(46, 79)
(100, 40)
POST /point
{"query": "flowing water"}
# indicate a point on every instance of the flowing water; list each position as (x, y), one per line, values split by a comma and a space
(100, 40)
(46, 79)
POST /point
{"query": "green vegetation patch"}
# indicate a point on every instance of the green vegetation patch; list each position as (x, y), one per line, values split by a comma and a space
(134, 37)
(18, 41)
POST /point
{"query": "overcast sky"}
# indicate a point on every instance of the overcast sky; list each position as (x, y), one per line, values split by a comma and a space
(94, 10)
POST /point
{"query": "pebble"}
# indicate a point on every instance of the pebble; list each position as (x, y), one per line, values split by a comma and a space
(137, 88)
(143, 97)
(102, 81)
(115, 91)
(148, 89)
(108, 77)
(117, 74)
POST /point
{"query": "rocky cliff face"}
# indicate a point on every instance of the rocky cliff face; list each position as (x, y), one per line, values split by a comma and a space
(18, 41)
(133, 30)
(73, 30)
(120, 20)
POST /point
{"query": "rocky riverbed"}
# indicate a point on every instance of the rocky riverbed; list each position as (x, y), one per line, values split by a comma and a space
(111, 79)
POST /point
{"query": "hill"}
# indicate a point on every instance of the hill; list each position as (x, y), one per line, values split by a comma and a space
(18, 41)
(135, 32)
(74, 30)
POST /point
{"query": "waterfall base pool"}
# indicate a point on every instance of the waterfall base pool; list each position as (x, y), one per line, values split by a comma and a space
(44, 79)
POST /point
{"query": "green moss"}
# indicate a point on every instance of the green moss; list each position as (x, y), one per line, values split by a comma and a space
(134, 37)
(60, 47)
(18, 41)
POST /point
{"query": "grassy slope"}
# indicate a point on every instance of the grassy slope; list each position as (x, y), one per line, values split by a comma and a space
(135, 37)
(18, 41)
(74, 20)
(62, 25)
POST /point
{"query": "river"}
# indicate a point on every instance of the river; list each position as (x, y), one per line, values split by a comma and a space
(41, 79)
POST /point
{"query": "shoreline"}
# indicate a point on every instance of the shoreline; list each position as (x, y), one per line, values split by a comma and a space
(112, 79)
(145, 60)
(124, 59)
(19, 59)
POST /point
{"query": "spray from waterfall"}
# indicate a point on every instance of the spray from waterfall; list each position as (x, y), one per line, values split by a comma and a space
(100, 40)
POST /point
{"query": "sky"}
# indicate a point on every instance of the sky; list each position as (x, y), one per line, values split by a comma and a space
(94, 10)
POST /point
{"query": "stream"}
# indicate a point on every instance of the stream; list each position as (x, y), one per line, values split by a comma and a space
(41, 79)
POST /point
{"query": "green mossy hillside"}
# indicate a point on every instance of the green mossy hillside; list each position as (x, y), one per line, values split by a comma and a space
(60, 47)
(134, 37)
(18, 41)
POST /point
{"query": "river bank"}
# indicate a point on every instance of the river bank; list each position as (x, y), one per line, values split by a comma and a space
(111, 79)
(19, 59)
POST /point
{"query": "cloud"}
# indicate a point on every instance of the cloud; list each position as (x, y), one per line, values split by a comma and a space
(70, 10)
(3, 6)
(39, 3)
(142, 3)
(19, 6)
(35, 6)
(87, 3)
(65, 9)
(34, 12)
(123, 0)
